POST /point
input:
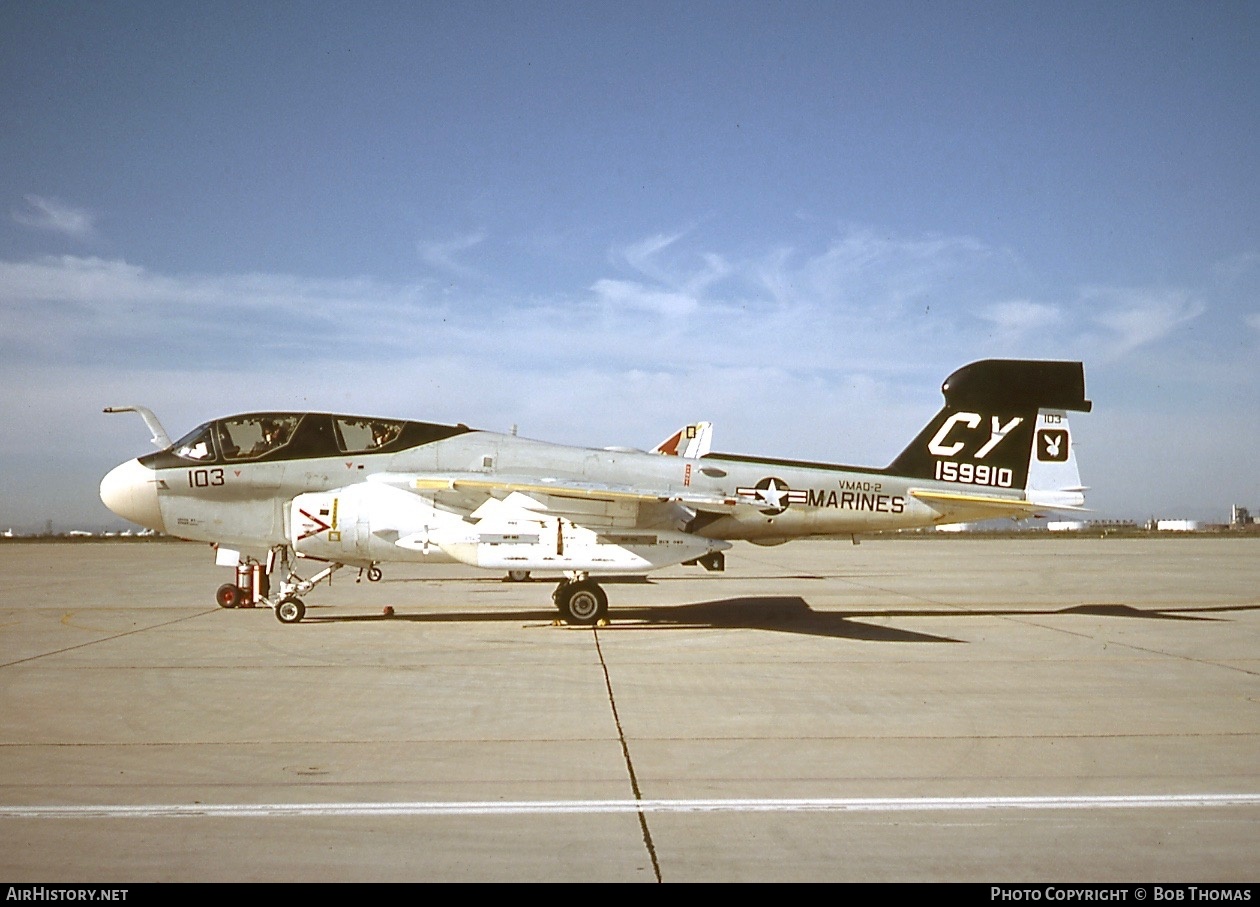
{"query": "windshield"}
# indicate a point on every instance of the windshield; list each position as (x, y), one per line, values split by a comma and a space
(197, 445)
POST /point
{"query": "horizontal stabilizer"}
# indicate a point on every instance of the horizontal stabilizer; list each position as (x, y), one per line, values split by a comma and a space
(960, 506)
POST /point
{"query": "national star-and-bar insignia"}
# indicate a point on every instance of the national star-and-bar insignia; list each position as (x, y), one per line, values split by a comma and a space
(775, 494)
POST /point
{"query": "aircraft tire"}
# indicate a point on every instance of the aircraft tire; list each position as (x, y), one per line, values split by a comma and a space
(290, 610)
(583, 603)
(228, 596)
(518, 576)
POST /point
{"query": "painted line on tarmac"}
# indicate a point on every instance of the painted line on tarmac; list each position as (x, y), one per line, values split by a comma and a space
(561, 807)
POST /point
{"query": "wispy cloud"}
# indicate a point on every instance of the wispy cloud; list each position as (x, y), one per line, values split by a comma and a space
(666, 285)
(1016, 320)
(1131, 318)
(868, 302)
(1023, 315)
(443, 254)
(1238, 267)
(77, 308)
(864, 304)
(626, 294)
(642, 255)
(863, 266)
(49, 214)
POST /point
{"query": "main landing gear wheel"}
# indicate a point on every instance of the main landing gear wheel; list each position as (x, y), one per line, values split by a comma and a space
(582, 602)
(290, 610)
(228, 596)
(518, 576)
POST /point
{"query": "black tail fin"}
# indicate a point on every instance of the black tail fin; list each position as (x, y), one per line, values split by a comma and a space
(983, 436)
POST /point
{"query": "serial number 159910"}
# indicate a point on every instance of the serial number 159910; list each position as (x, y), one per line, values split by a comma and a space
(974, 473)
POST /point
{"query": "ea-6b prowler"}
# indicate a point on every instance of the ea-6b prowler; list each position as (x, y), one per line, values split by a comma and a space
(278, 487)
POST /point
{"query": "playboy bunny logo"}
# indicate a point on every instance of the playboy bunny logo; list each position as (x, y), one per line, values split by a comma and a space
(1052, 445)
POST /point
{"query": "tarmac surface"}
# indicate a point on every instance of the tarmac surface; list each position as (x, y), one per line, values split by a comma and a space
(980, 710)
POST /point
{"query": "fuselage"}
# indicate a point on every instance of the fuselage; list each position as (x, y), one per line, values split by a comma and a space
(205, 488)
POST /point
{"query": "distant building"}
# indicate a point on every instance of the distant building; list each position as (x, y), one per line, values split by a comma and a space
(1240, 517)
(1178, 525)
(1090, 525)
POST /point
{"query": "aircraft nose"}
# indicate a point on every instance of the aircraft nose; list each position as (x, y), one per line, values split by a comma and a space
(130, 490)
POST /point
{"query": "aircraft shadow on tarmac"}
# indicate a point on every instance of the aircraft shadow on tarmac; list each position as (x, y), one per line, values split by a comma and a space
(629, 579)
(783, 614)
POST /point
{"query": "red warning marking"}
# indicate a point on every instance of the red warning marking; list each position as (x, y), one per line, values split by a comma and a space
(320, 526)
(687, 475)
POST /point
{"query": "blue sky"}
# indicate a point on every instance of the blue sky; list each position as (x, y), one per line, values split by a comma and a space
(598, 221)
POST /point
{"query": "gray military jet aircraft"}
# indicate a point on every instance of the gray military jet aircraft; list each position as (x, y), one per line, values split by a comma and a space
(361, 491)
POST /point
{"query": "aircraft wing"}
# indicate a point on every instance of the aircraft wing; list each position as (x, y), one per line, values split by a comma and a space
(501, 486)
(592, 503)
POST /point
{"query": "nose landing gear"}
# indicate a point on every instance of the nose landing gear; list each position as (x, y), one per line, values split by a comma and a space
(289, 608)
(252, 587)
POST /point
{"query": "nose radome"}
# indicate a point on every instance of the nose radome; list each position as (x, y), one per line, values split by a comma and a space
(130, 490)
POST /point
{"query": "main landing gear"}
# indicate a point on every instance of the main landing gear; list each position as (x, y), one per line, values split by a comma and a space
(581, 600)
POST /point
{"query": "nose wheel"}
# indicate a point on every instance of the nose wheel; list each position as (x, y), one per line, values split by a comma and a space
(290, 610)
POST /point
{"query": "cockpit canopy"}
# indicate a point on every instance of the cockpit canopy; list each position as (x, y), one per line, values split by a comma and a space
(284, 436)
